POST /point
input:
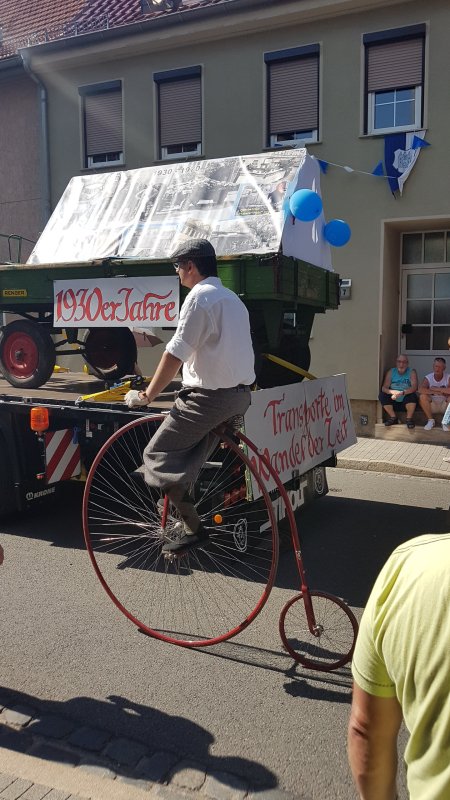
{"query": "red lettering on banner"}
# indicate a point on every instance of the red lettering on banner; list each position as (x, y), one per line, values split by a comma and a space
(298, 416)
(81, 300)
(340, 434)
(97, 296)
(127, 293)
(89, 305)
(168, 309)
(66, 301)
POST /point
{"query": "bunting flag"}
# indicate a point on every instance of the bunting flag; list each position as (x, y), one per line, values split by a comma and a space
(401, 151)
(419, 142)
(379, 170)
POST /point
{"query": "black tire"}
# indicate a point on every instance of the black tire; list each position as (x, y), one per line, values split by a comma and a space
(27, 354)
(111, 352)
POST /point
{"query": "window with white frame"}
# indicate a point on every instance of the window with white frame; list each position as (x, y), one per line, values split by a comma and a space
(102, 124)
(293, 95)
(179, 112)
(394, 79)
(425, 262)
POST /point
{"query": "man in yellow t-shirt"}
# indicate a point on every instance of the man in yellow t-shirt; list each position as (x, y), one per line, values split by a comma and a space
(401, 668)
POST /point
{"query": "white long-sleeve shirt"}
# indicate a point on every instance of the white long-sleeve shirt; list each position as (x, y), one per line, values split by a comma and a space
(213, 338)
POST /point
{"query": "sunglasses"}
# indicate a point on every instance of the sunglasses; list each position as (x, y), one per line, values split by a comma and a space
(179, 265)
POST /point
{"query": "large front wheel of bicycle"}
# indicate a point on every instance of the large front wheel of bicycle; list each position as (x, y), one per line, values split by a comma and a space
(331, 642)
(214, 590)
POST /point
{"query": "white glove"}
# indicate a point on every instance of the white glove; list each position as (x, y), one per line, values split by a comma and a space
(133, 399)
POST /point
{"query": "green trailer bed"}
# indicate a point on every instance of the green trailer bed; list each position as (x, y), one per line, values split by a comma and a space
(282, 295)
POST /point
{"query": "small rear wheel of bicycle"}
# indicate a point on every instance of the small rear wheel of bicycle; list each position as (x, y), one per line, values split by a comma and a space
(212, 591)
(332, 641)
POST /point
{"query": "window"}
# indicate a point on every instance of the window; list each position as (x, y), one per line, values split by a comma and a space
(293, 95)
(102, 123)
(179, 112)
(426, 290)
(394, 79)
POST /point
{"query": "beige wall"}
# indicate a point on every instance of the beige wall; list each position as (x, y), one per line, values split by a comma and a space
(350, 339)
(20, 201)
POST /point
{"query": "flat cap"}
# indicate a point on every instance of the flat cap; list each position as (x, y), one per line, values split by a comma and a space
(195, 248)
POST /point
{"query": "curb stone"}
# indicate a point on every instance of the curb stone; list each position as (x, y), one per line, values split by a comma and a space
(397, 468)
(59, 740)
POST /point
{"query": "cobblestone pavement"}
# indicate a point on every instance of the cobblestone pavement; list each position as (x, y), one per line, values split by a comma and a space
(98, 753)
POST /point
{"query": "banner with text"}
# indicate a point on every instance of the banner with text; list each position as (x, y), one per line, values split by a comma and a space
(120, 302)
(299, 426)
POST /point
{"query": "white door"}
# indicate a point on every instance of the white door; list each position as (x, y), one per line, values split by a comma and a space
(425, 323)
(425, 298)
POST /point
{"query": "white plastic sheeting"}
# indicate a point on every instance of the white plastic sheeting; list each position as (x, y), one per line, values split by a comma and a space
(239, 203)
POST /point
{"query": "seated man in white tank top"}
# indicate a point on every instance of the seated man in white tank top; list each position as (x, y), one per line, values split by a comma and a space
(434, 393)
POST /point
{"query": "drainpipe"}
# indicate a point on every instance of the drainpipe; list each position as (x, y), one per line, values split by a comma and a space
(44, 160)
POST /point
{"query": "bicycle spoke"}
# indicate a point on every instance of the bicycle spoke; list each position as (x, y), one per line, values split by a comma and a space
(331, 641)
(211, 591)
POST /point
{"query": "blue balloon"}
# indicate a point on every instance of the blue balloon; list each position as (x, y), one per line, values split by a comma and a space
(337, 232)
(305, 205)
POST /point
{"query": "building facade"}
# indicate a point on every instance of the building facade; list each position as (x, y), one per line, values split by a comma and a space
(342, 77)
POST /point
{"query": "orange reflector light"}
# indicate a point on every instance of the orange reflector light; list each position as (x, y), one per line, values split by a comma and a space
(218, 519)
(39, 419)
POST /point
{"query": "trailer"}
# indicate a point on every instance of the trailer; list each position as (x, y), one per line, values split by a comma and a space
(282, 294)
(52, 435)
(64, 302)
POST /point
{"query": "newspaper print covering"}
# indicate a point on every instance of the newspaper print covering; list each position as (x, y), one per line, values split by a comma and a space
(240, 203)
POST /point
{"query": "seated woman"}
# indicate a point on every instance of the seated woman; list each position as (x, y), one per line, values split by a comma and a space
(398, 392)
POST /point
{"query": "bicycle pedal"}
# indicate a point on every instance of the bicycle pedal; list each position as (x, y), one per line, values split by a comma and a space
(172, 558)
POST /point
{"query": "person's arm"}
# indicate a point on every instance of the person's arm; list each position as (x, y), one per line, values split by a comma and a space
(386, 385)
(414, 383)
(424, 387)
(372, 744)
(164, 373)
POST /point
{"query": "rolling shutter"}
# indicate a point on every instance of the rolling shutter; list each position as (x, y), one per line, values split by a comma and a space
(180, 111)
(294, 95)
(395, 65)
(103, 120)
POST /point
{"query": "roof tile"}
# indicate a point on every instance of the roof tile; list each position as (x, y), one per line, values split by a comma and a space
(27, 22)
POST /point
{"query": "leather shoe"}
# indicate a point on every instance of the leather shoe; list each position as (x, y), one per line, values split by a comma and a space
(187, 541)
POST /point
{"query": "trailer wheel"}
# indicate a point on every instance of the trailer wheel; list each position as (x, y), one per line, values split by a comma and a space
(111, 352)
(27, 354)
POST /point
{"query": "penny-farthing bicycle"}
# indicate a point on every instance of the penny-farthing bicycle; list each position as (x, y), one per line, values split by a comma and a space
(213, 591)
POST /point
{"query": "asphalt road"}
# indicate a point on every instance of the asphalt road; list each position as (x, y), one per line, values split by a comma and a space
(241, 707)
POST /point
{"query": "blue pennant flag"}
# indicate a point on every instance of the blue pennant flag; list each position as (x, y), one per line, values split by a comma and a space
(323, 165)
(401, 151)
(418, 142)
(378, 171)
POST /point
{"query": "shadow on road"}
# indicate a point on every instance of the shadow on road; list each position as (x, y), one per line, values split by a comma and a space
(333, 687)
(345, 542)
(56, 731)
